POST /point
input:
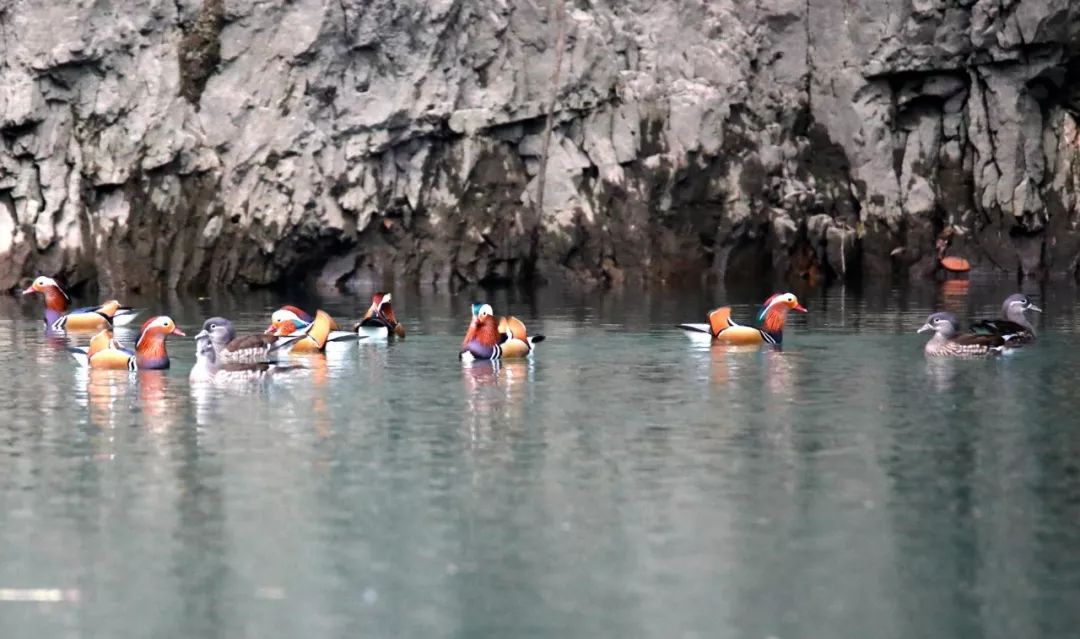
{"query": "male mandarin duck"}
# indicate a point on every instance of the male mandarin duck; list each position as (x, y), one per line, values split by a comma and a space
(490, 338)
(379, 321)
(58, 317)
(149, 353)
(312, 334)
(1013, 326)
(949, 342)
(209, 369)
(248, 349)
(773, 316)
(508, 327)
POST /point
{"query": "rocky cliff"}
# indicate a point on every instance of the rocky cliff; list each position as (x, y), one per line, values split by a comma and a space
(218, 142)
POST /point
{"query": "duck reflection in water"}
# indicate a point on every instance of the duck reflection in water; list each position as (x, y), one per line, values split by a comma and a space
(727, 363)
(161, 411)
(105, 393)
(495, 394)
(941, 371)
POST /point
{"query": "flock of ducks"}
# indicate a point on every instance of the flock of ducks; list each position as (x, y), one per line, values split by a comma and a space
(224, 356)
(985, 338)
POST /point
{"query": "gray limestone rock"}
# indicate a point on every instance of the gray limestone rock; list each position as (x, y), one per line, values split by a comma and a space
(212, 143)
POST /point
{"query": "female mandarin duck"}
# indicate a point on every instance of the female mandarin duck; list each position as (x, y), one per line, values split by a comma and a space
(1013, 326)
(490, 338)
(149, 353)
(209, 369)
(58, 317)
(379, 322)
(312, 334)
(773, 316)
(248, 349)
(949, 342)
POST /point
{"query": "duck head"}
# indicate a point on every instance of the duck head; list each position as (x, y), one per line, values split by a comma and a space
(381, 309)
(944, 324)
(218, 331)
(1014, 307)
(55, 297)
(43, 284)
(287, 320)
(156, 329)
(782, 302)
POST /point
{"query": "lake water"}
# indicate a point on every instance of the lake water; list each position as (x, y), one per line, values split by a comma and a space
(624, 483)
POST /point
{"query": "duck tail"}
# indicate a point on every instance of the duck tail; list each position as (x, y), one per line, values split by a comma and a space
(81, 355)
(284, 344)
(125, 316)
(344, 336)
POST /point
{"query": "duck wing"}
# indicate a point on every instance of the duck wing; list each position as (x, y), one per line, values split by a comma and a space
(1010, 331)
(248, 349)
(992, 341)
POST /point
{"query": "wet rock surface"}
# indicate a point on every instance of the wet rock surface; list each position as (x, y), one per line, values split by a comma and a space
(208, 143)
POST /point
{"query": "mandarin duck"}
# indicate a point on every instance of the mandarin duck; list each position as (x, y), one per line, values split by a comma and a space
(509, 326)
(209, 369)
(1013, 326)
(379, 322)
(249, 349)
(949, 342)
(311, 335)
(773, 315)
(490, 338)
(149, 354)
(59, 316)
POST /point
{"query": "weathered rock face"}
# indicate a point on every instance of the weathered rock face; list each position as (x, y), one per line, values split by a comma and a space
(211, 142)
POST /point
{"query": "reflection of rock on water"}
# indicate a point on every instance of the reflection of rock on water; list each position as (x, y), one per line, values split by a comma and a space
(954, 296)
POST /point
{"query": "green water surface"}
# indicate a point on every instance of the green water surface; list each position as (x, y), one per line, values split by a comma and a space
(624, 483)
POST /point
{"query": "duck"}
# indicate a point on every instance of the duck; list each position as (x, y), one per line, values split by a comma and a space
(1013, 326)
(491, 338)
(773, 315)
(149, 354)
(229, 349)
(209, 369)
(948, 341)
(379, 322)
(312, 335)
(508, 327)
(59, 317)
